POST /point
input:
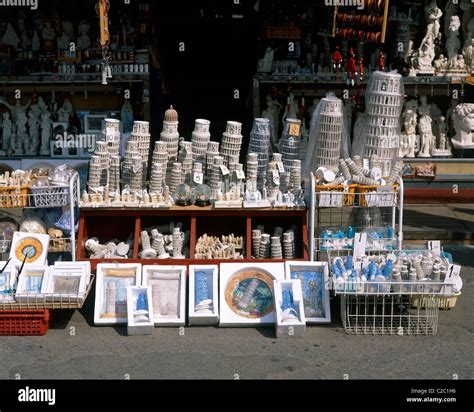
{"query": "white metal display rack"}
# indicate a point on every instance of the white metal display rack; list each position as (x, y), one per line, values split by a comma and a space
(333, 208)
(67, 196)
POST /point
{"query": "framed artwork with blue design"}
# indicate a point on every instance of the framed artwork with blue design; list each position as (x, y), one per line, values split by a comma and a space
(314, 278)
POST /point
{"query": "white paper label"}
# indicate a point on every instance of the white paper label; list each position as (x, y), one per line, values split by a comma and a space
(276, 177)
(360, 243)
(337, 199)
(324, 199)
(240, 174)
(280, 166)
(435, 247)
(386, 196)
(224, 170)
(365, 163)
(198, 178)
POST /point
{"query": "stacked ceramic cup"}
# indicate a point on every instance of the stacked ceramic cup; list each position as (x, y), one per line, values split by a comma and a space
(290, 142)
(265, 246)
(111, 135)
(176, 177)
(231, 141)
(141, 135)
(260, 143)
(295, 176)
(256, 240)
(170, 136)
(288, 245)
(186, 159)
(276, 250)
(200, 140)
(212, 152)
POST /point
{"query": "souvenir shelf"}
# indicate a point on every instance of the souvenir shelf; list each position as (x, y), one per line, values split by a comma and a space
(106, 224)
(66, 196)
(353, 209)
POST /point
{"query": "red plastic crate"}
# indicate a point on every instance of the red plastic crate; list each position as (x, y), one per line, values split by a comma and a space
(24, 322)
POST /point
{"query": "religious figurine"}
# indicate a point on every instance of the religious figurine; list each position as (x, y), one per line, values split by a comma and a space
(64, 113)
(46, 131)
(463, 120)
(424, 109)
(67, 35)
(468, 53)
(15, 109)
(433, 15)
(444, 146)
(21, 131)
(83, 41)
(33, 125)
(452, 43)
(422, 59)
(127, 116)
(39, 107)
(6, 131)
(426, 136)
(265, 65)
(408, 137)
(441, 64)
(10, 38)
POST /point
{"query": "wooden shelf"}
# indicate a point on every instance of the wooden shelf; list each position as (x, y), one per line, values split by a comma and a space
(110, 223)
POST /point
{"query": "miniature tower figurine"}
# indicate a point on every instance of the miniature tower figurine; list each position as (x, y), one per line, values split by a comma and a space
(200, 140)
(170, 136)
(231, 141)
(260, 143)
(141, 135)
(290, 142)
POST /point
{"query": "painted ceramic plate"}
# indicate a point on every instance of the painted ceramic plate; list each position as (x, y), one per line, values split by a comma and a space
(249, 293)
(29, 247)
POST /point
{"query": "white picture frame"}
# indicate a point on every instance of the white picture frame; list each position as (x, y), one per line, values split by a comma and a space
(146, 324)
(163, 281)
(74, 265)
(8, 279)
(121, 275)
(293, 327)
(239, 282)
(66, 284)
(316, 300)
(210, 316)
(29, 291)
(35, 244)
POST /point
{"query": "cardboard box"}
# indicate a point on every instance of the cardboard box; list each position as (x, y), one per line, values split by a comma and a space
(140, 319)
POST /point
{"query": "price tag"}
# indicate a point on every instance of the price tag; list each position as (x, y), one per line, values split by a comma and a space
(110, 134)
(365, 163)
(453, 278)
(360, 244)
(281, 168)
(295, 129)
(276, 177)
(435, 247)
(224, 170)
(198, 178)
(240, 174)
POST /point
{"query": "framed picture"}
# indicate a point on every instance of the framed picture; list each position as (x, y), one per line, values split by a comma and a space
(30, 248)
(139, 311)
(32, 284)
(314, 278)
(168, 290)
(203, 304)
(246, 293)
(66, 283)
(93, 122)
(289, 309)
(111, 291)
(8, 280)
(74, 266)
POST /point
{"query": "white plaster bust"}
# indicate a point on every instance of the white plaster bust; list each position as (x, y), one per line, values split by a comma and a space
(463, 120)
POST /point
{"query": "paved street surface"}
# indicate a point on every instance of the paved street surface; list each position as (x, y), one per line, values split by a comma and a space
(216, 353)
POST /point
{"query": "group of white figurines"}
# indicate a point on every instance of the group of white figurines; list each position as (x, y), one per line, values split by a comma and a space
(62, 37)
(28, 129)
(426, 130)
(458, 60)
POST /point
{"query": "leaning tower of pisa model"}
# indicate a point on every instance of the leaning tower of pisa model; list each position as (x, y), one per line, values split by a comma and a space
(170, 135)
(111, 135)
(129, 162)
(200, 140)
(329, 132)
(141, 135)
(231, 141)
(384, 102)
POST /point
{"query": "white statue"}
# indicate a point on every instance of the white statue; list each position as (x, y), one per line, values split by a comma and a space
(6, 131)
(265, 65)
(83, 41)
(424, 109)
(33, 125)
(423, 58)
(441, 64)
(39, 107)
(48, 33)
(16, 108)
(64, 113)
(433, 14)
(408, 137)
(463, 120)
(291, 109)
(10, 38)
(127, 116)
(46, 131)
(67, 35)
(452, 42)
(468, 53)
(426, 137)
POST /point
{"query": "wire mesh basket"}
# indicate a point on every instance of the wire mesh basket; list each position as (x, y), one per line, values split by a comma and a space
(13, 197)
(53, 196)
(389, 315)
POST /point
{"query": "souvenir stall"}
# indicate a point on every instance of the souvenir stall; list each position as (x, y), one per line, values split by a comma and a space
(259, 223)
